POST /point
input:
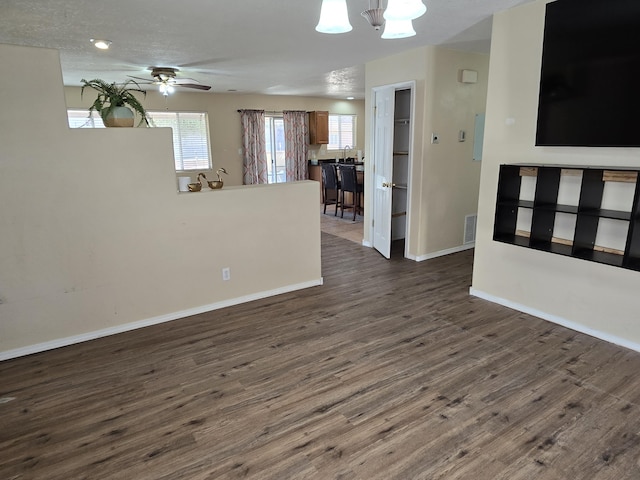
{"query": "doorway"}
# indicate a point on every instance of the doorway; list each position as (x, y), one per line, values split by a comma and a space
(275, 150)
(392, 159)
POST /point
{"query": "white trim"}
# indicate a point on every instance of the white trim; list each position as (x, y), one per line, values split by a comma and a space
(406, 85)
(126, 327)
(442, 253)
(429, 256)
(558, 320)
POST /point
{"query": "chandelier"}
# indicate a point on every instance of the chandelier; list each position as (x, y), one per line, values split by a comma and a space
(397, 18)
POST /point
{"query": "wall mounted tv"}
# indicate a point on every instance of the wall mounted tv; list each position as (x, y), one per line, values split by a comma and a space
(590, 79)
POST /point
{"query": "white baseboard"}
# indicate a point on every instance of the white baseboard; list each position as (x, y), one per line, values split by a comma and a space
(63, 342)
(441, 253)
(559, 320)
(428, 256)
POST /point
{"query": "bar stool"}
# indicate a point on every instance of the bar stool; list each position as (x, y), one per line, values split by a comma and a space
(330, 184)
(349, 183)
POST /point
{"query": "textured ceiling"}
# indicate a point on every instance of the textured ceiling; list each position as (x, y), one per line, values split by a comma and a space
(249, 46)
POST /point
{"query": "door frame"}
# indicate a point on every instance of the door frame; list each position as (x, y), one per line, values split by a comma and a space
(407, 85)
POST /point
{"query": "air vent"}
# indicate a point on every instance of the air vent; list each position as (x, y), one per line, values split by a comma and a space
(470, 228)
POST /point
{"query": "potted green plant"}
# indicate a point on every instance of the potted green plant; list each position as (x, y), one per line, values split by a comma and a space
(114, 100)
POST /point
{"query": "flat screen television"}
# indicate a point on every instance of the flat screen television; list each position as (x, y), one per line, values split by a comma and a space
(590, 79)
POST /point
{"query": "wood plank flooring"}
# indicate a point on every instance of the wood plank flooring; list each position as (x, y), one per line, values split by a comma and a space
(388, 371)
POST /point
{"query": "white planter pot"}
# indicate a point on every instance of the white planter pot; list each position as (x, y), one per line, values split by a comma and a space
(119, 117)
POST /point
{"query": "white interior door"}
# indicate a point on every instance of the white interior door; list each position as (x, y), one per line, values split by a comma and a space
(383, 169)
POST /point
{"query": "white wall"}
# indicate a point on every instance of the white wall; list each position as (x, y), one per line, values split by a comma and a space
(94, 238)
(445, 179)
(594, 298)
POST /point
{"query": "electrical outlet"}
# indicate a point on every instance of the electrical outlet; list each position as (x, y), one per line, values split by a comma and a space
(226, 274)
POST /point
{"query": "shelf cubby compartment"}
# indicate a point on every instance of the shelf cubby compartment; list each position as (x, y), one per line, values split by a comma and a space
(544, 207)
(632, 248)
(512, 239)
(506, 215)
(567, 229)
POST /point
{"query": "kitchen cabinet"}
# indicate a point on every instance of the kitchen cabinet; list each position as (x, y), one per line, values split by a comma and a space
(318, 128)
(315, 173)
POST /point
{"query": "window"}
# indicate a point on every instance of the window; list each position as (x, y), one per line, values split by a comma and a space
(190, 138)
(342, 131)
(80, 119)
(274, 145)
(190, 134)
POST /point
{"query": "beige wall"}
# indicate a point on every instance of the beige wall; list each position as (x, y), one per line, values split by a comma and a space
(95, 239)
(224, 120)
(587, 296)
(445, 180)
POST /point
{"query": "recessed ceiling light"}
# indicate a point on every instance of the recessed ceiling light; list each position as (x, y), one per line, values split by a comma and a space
(101, 44)
(350, 98)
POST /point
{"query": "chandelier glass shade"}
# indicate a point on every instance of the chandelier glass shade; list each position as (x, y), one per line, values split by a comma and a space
(398, 29)
(334, 17)
(404, 9)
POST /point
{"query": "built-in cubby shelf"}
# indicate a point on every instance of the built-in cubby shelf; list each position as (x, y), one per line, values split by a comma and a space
(580, 224)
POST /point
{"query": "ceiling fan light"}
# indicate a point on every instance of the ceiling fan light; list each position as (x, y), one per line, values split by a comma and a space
(404, 9)
(334, 17)
(166, 88)
(398, 29)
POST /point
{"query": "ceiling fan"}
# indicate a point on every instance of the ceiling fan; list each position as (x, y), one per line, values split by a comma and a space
(165, 78)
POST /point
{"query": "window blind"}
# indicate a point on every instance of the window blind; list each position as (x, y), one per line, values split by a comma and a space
(190, 138)
(341, 131)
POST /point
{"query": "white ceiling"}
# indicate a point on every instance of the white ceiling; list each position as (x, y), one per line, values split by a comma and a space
(249, 46)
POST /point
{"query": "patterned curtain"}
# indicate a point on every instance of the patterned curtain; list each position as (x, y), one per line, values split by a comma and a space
(254, 154)
(295, 145)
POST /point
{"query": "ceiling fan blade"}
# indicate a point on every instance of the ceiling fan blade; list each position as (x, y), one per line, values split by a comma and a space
(147, 80)
(193, 85)
(179, 81)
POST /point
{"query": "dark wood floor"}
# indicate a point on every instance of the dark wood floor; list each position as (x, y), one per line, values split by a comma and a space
(388, 371)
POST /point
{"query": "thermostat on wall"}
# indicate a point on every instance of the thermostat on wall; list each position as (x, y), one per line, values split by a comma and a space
(469, 76)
